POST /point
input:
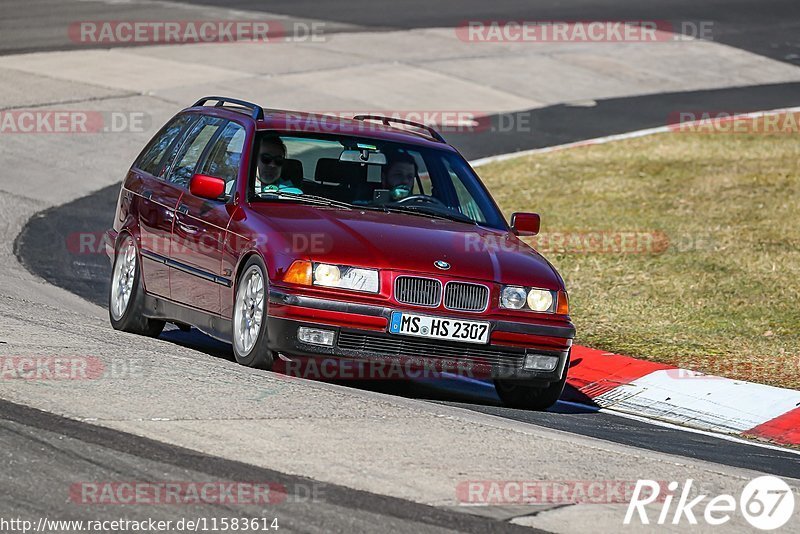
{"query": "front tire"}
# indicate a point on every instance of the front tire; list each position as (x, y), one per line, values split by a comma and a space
(126, 296)
(518, 394)
(250, 317)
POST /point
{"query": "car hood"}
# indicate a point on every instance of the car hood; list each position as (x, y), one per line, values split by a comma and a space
(403, 243)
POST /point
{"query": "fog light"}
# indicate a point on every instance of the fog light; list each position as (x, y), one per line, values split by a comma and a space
(540, 362)
(315, 336)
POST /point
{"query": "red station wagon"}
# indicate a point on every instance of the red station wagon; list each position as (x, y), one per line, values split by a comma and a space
(311, 236)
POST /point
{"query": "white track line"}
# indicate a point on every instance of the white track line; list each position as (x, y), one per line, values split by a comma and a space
(621, 137)
(672, 426)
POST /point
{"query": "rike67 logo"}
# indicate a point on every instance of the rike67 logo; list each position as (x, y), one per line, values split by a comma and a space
(766, 502)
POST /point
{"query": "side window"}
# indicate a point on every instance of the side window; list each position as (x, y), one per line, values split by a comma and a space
(173, 149)
(225, 156)
(189, 154)
(153, 155)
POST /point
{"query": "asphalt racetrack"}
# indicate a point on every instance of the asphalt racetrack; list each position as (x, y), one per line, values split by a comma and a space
(62, 448)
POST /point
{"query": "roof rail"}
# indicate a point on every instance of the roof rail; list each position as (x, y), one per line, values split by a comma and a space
(257, 112)
(388, 120)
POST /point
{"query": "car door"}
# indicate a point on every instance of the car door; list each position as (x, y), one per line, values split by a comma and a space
(154, 202)
(198, 234)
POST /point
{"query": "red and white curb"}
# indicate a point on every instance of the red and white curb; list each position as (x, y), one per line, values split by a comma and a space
(666, 393)
(683, 397)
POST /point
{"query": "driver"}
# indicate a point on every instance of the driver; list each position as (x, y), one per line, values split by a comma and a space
(271, 157)
(398, 175)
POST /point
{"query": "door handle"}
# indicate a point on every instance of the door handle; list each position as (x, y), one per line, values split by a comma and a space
(183, 208)
(188, 228)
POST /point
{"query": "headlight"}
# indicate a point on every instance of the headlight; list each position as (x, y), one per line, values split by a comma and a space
(345, 277)
(327, 275)
(527, 298)
(540, 300)
(512, 297)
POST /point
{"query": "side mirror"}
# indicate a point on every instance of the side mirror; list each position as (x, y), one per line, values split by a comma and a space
(205, 186)
(525, 223)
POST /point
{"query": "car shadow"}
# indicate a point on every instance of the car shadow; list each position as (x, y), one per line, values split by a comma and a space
(197, 340)
(575, 395)
(443, 388)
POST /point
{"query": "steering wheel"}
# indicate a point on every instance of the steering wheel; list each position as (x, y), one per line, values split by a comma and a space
(422, 198)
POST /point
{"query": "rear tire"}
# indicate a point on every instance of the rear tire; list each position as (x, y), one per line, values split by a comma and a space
(126, 295)
(519, 394)
(249, 327)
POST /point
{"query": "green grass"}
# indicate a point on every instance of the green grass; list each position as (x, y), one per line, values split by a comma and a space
(723, 297)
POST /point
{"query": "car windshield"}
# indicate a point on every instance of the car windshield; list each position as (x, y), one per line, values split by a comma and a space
(347, 172)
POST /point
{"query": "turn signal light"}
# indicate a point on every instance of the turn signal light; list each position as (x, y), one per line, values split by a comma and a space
(299, 273)
(563, 303)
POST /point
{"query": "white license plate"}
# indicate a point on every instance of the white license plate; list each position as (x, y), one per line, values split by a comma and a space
(410, 324)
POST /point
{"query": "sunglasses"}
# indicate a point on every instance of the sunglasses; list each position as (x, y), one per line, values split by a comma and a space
(266, 159)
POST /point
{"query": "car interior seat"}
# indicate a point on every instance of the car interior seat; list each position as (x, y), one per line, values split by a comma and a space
(338, 180)
(293, 171)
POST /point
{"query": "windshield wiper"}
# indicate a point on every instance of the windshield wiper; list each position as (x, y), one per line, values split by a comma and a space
(307, 199)
(427, 212)
(419, 211)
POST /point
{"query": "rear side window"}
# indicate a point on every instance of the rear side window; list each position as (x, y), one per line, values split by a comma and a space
(193, 149)
(225, 156)
(151, 158)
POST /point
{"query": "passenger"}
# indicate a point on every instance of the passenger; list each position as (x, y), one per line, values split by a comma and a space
(271, 156)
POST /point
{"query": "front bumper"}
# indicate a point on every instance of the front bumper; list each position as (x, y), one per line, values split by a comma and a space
(361, 333)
